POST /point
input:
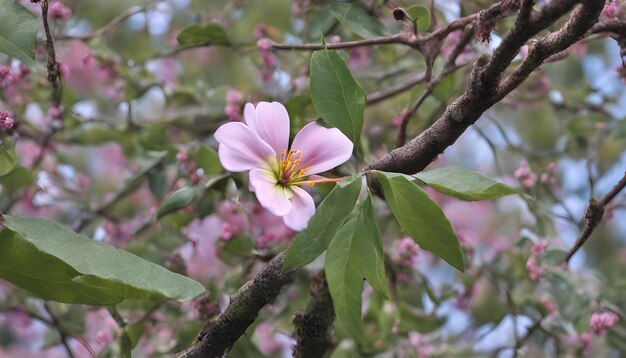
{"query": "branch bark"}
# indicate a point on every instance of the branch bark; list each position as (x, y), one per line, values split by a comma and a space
(219, 335)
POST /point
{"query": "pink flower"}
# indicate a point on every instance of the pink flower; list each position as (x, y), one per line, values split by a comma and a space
(277, 172)
(534, 271)
(610, 9)
(601, 321)
(6, 122)
(58, 11)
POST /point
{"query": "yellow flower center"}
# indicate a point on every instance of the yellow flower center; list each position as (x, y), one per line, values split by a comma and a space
(289, 172)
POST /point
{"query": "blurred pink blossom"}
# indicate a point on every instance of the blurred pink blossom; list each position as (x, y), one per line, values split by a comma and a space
(58, 11)
(600, 322)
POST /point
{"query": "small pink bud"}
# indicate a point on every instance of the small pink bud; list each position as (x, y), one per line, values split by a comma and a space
(58, 11)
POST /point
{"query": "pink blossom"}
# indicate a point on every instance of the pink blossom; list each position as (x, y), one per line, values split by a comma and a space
(6, 122)
(534, 271)
(58, 11)
(539, 247)
(525, 175)
(277, 172)
(610, 10)
(233, 105)
(600, 322)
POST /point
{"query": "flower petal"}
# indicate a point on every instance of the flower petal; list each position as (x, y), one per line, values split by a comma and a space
(240, 149)
(273, 197)
(270, 121)
(322, 148)
(302, 209)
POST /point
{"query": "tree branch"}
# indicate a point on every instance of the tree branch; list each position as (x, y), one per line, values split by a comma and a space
(219, 335)
(482, 91)
(593, 217)
(314, 328)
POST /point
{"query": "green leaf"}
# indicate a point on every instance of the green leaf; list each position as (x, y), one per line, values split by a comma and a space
(8, 159)
(465, 184)
(421, 218)
(18, 28)
(329, 216)
(58, 264)
(356, 253)
(94, 134)
(177, 200)
(357, 19)
(420, 16)
(198, 35)
(18, 178)
(207, 159)
(338, 98)
(345, 283)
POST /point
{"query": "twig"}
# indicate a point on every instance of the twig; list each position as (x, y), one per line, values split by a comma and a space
(520, 342)
(449, 67)
(54, 73)
(593, 217)
(394, 90)
(108, 27)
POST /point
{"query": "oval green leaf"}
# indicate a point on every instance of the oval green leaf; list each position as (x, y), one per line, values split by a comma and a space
(420, 16)
(58, 264)
(199, 35)
(337, 97)
(465, 184)
(329, 216)
(18, 29)
(421, 218)
(8, 159)
(357, 19)
(177, 200)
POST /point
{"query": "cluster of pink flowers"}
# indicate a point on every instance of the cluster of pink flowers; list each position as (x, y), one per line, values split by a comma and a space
(6, 76)
(6, 121)
(549, 176)
(405, 252)
(525, 175)
(600, 322)
(534, 270)
(234, 105)
(250, 219)
(58, 11)
(267, 58)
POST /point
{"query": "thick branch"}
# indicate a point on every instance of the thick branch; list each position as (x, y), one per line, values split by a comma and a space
(314, 327)
(482, 91)
(593, 216)
(218, 336)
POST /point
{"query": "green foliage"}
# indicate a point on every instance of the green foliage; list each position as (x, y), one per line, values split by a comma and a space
(357, 19)
(354, 254)
(207, 159)
(465, 184)
(177, 200)
(421, 218)
(57, 264)
(420, 16)
(329, 216)
(18, 28)
(8, 160)
(338, 98)
(203, 35)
